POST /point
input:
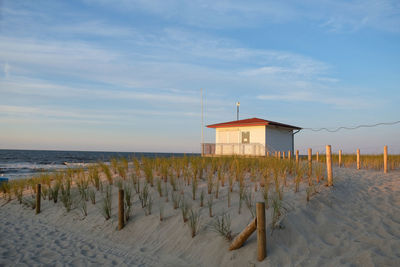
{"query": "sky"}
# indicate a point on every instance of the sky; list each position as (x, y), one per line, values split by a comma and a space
(127, 75)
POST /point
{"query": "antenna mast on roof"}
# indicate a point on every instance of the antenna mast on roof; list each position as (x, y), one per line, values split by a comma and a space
(237, 110)
(202, 121)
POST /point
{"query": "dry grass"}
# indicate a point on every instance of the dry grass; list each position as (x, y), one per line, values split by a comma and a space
(222, 226)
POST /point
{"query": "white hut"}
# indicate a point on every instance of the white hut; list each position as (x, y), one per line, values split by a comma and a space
(252, 137)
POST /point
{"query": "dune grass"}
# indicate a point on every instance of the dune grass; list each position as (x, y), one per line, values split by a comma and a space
(190, 182)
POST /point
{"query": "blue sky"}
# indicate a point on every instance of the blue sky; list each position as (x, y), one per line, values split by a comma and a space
(126, 75)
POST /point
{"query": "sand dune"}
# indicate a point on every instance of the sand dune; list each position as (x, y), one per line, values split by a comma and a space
(357, 222)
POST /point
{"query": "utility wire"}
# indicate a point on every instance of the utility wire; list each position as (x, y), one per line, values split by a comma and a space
(351, 128)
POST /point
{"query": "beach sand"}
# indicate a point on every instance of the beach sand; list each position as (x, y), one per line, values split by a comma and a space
(354, 223)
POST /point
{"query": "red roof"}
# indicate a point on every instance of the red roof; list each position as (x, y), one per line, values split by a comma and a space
(251, 122)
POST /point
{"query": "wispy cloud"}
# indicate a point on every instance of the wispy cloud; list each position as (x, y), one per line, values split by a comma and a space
(351, 16)
(6, 70)
(13, 114)
(341, 102)
(211, 14)
(333, 15)
(34, 87)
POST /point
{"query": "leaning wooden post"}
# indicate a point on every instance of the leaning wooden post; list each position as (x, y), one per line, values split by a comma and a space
(297, 156)
(358, 159)
(385, 159)
(340, 158)
(261, 233)
(309, 162)
(242, 237)
(329, 165)
(38, 195)
(120, 209)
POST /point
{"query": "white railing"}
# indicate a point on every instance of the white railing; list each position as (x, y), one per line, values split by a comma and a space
(251, 149)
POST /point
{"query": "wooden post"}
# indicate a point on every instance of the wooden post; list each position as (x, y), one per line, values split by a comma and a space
(317, 154)
(38, 196)
(279, 155)
(261, 233)
(385, 157)
(358, 159)
(309, 162)
(120, 209)
(267, 153)
(276, 154)
(329, 165)
(289, 154)
(242, 237)
(297, 156)
(340, 158)
(283, 154)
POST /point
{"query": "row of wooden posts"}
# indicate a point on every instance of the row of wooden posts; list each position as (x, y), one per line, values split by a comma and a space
(281, 154)
(328, 160)
(257, 224)
(120, 205)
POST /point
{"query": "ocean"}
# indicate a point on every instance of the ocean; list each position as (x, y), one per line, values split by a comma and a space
(15, 164)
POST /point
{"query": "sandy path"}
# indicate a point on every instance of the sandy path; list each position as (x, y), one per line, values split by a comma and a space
(28, 241)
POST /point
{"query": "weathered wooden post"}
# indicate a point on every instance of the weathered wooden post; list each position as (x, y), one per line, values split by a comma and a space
(267, 153)
(317, 155)
(279, 155)
(340, 158)
(261, 233)
(309, 162)
(385, 159)
(329, 165)
(38, 196)
(120, 209)
(283, 154)
(289, 155)
(358, 159)
(276, 154)
(297, 156)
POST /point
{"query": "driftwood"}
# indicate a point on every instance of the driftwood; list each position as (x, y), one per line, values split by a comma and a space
(242, 237)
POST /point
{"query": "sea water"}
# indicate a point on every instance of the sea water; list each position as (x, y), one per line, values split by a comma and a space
(15, 164)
